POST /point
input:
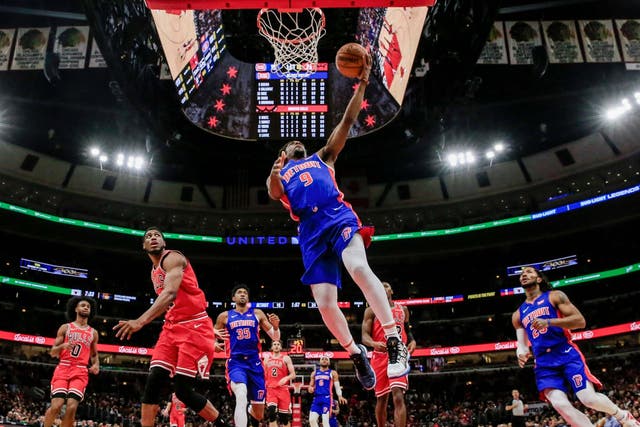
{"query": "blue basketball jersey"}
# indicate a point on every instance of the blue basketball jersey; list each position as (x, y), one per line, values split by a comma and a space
(244, 334)
(323, 383)
(309, 185)
(547, 338)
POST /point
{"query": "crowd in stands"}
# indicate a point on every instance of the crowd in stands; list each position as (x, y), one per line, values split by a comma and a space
(473, 398)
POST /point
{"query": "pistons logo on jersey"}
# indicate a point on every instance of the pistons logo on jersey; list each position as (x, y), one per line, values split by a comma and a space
(577, 380)
(346, 233)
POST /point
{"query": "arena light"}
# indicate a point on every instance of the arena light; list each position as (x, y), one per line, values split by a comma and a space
(452, 159)
(490, 155)
(470, 157)
(636, 95)
(138, 162)
(120, 159)
(103, 158)
(94, 151)
(499, 147)
(614, 113)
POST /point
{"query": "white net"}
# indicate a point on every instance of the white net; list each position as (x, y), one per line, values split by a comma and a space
(294, 36)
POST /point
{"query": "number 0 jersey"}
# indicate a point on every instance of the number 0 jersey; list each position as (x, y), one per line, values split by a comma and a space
(80, 338)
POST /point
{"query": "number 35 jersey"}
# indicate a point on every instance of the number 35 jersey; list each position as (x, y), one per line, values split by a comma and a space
(244, 334)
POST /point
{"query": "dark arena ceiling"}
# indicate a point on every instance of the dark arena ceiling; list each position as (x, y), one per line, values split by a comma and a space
(125, 105)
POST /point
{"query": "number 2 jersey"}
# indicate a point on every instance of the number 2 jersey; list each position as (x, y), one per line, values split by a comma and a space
(275, 370)
(79, 352)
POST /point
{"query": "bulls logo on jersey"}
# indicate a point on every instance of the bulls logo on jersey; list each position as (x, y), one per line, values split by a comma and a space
(158, 282)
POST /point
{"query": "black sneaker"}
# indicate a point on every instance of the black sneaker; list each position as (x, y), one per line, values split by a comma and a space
(364, 373)
(398, 358)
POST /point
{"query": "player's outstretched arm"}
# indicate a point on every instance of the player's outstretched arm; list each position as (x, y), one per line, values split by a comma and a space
(274, 184)
(338, 138)
(338, 387)
(269, 323)
(290, 368)
(367, 328)
(571, 318)
(174, 265)
(95, 357)
(522, 345)
(411, 341)
(58, 343)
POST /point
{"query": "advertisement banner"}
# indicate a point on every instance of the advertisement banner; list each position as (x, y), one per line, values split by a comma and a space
(629, 33)
(71, 44)
(59, 270)
(562, 42)
(599, 41)
(495, 48)
(30, 50)
(96, 60)
(6, 41)
(523, 36)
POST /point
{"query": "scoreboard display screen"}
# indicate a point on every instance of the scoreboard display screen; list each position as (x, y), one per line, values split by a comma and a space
(287, 108)
(246, 101)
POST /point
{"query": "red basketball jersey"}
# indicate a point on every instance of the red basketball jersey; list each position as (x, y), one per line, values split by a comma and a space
(177, 407)
(190, 301)
(275, 369)
(398, 316)
(80, 338)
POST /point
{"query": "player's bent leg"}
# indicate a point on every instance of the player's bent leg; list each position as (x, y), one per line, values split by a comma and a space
(53, 410)
(354, 258)
(561, 403)
(256, 410)
(325, 419)
(70, 412)
(185, 392)
(157, 379)
(284, 418)
(313, 419)
(598, 401)
(272, 413)
(399, 408)
(326, 297)
(381, 409)
(240, 413)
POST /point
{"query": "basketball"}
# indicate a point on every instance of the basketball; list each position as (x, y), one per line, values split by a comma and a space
(350, 59)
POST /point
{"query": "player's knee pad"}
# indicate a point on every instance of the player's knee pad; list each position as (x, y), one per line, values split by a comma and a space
(271, 413)
(284, 418)
(185, 392)
(156, 381)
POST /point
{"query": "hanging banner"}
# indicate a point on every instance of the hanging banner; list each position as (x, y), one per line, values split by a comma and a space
(96, 60)
(495, 49)
(562, 42)
(6, 40)
(629, 32)
(599, 41)
(523, 36)
(71, 45)
(31, 47)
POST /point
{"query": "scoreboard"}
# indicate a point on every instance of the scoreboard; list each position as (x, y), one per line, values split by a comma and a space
(291, 109)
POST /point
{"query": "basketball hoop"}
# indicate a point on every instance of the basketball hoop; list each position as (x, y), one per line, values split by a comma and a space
(297, 388)
(294, 36)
